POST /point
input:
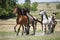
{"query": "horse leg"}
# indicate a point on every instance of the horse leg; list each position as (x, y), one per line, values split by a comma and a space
(15, 27)
(18, 30)
(44, 29)
(27, 29)
(49, 28)
(22, 29)
(34, 29)
(42, 26)
(35, 24)
(53, 26)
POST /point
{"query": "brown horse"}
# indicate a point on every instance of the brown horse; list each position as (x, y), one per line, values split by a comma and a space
(21, 20)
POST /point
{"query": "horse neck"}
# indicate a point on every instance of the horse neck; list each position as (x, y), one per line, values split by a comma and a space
(18, 15)
(41, 17)
(45, 17)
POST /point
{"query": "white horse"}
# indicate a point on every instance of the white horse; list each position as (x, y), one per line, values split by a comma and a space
(46, 21)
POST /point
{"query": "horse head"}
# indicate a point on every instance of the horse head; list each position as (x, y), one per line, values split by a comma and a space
(42, 12)
(17, 10)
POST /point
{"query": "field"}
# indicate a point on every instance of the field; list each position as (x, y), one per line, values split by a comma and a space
(7, 32)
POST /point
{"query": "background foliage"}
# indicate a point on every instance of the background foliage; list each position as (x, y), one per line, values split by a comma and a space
(6, 7)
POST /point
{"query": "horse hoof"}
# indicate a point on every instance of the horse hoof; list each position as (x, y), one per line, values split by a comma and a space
(27, 34)
(17, 34)
(15, 31)
(32, 34)
(22, 34)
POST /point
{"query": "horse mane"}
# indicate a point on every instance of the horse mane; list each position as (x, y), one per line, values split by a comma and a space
(22, 11)
(41, 17)
(25, 10)
(46, 15)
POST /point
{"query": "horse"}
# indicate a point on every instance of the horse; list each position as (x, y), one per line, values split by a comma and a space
(46, 21)
(21, 20)
(32, 21)
(54, 22)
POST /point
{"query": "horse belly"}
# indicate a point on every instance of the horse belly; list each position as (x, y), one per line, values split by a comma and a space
(24, 20)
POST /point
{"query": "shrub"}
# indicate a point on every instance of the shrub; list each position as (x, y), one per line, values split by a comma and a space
(34, 6)
(57, 15)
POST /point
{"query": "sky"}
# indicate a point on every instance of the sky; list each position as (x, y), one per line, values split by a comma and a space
(22, 1)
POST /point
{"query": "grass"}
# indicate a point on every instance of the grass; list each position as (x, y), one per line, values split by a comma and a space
(55, 36)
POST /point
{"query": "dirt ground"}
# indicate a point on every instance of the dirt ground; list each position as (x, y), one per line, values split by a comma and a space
(8, 25)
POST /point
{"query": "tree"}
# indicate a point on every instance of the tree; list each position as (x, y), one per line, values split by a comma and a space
(34, 6)
(6, 7)
(27, 4)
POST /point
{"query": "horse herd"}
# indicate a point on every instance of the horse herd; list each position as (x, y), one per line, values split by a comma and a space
(24, 19)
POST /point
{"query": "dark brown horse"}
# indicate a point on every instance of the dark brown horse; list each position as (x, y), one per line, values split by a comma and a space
(21, 20)
(32, 20)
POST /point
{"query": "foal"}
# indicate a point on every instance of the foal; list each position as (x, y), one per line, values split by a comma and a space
(21, 20)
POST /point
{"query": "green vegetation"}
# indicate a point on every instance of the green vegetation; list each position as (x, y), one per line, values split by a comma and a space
(34, 6)
(6, 7)
(58, 6)
(26, 5)
(11, 36)
(58, 15)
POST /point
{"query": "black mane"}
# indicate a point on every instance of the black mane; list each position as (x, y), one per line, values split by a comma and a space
(23, 11)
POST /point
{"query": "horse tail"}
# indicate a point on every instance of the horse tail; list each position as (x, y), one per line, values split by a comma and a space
(37, 20)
